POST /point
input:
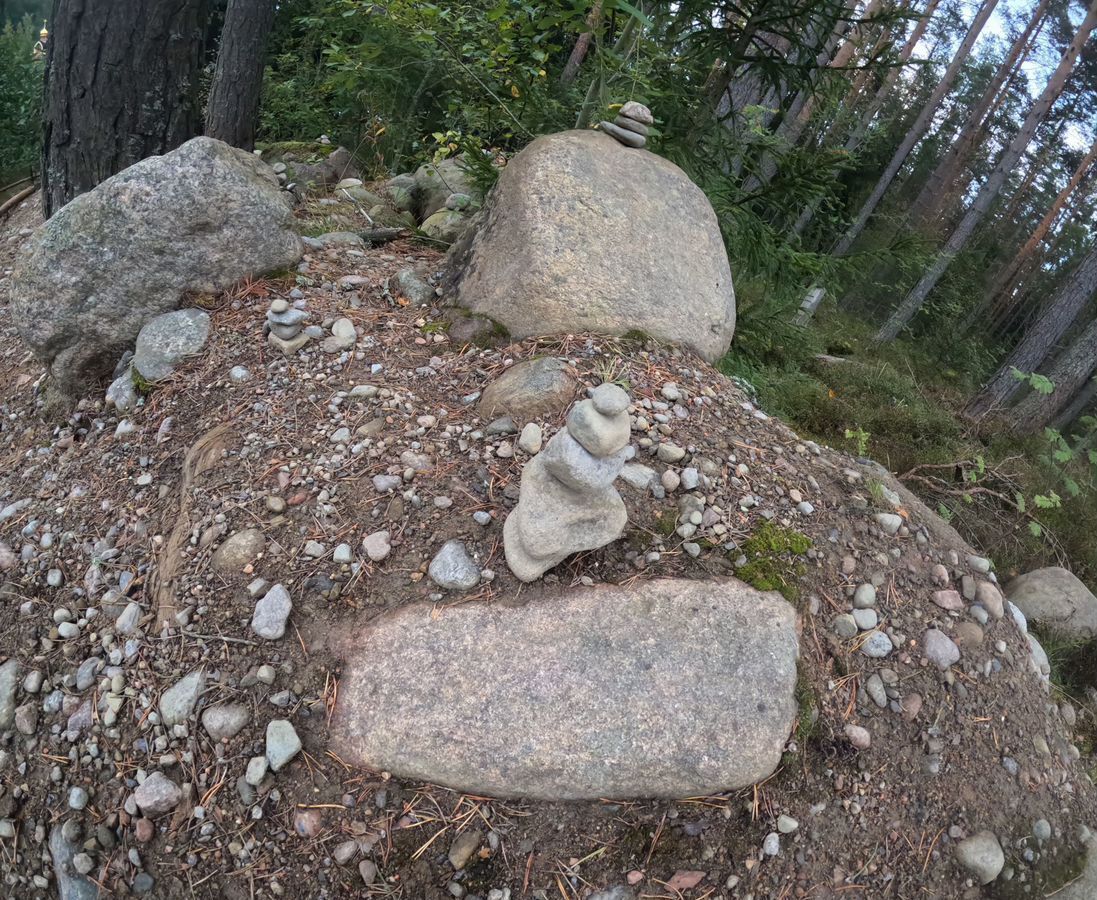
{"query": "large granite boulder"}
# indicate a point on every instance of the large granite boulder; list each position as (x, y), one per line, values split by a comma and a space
(1055, 600)
(667, 688)
(584, 234)
(197, 219)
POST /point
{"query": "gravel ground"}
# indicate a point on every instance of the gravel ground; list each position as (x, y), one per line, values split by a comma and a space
(172, 751)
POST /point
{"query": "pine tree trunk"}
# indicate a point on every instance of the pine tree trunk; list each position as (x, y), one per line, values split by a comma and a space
(792, 127)
(1004, 283)
(988, 193)
(232, 113)
(914, 134)
(1038, 341)
(937, 191)
(1076, 408)
(121, 80)
(582, 45)
(1069, 375)
(853, 140)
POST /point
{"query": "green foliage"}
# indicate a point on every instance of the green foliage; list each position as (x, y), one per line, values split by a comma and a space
(772, 564)
(20, 99)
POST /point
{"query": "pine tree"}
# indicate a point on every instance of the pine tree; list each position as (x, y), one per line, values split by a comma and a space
(232, 113)
(121, 85)
(988, 193)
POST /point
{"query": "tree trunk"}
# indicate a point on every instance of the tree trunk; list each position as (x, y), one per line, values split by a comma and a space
(232, 113)
(914, 134)
(625, 44)
(853, 140)
(582, 45)
(1003, 284)
(1069, 375)
(989, 191)
(121, 80)
(1054, 322)
(937, 191)
(1077, 407)
(793, 125)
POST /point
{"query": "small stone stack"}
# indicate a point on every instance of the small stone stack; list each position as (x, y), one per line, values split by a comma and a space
(567, 501)
(632, 125)
(285, 324)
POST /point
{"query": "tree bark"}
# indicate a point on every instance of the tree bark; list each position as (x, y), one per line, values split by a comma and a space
(936, 193)
(1005, 281)
(991, 187)
(121, 80)
(1049, 328)
(1069, 375)
(582, 45)
(914, 134)
(792, 127)
(232, 113)
(853, 140)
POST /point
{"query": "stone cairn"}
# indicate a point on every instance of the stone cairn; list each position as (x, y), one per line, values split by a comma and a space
(286, 324)
(631, 126)
(567, 502)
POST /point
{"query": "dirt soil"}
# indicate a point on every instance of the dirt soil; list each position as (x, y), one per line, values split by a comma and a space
(138, 516)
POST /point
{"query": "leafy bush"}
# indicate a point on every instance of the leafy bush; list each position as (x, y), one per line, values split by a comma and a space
(20, 99)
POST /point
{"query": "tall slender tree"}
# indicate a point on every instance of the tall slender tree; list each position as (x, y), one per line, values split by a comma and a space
(988, 193)
(121, 84)
(232, 113)
(1039, 340)
(1019, 262)
(938, 191)
(916, 130)
(1069, 374)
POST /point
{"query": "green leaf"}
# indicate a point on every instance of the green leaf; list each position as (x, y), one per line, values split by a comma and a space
(1072, 486)
(1022, 504)
(626, 7)
(1036, 529)
(1049, 501)
(1041, 384)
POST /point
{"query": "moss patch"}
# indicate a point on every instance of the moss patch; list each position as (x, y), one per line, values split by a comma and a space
(772, 563)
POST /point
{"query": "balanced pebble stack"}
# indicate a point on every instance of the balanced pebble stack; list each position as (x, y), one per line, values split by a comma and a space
(632, 125)
(567, 502)
(285, 324)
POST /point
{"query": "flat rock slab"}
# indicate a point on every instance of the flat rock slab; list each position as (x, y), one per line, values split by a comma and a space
(668, 688)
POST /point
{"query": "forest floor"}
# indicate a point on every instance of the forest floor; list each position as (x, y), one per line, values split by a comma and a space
(951, 753)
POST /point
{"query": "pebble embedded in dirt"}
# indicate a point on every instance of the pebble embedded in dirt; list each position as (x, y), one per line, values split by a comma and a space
(453, 569)
(283, 744)
(268, 620)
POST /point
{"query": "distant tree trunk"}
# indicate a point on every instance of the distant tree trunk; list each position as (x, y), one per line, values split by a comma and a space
(989, 191)
(1003, 284)
(121, 80)
(1049, 328)
(232, 113)
(1069, 375)
(792, 127)
(1081, 402)
(936, 194)
(914, 134)
(582, 45)
(853, 140)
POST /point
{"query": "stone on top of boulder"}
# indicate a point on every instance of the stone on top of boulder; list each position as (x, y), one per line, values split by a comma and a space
(666, 688)
(196, 219)
(1057, 600)
(578, 234)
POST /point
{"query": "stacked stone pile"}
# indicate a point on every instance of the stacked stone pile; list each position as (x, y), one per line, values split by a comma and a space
(567, 501)
(632, 125)
(285, 324)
